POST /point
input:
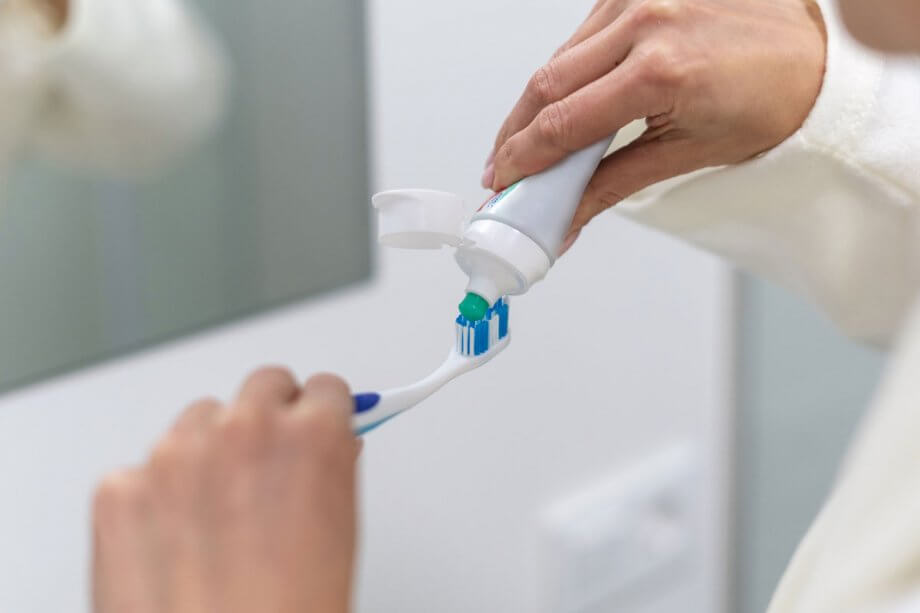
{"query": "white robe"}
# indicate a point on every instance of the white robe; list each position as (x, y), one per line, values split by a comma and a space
(834, 213)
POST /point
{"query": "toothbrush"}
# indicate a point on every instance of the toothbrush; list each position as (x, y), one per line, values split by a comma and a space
(477, 343)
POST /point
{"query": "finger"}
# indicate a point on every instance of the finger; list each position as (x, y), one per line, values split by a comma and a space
(594, 9)
(268, 388)
(326, 392)
(196, 419)
(321, 417)
(590, 114)
(565, 74)
(602, 14)
(570, 239)
(123, 561)
(631, 169)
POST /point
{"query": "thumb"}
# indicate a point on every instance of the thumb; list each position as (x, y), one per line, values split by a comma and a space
(630, 169)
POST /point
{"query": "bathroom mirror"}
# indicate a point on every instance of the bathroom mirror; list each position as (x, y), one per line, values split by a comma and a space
(272, 210)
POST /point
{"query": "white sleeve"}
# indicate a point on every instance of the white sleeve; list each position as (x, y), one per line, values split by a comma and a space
(833, 211)
(128, 84)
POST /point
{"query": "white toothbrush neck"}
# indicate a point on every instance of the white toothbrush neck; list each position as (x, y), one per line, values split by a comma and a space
(396, 400)
(454, 365)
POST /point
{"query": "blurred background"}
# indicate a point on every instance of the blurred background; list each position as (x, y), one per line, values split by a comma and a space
(661, 451)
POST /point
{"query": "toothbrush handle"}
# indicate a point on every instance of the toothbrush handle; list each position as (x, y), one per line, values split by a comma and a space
(373, 409)
(364, 403)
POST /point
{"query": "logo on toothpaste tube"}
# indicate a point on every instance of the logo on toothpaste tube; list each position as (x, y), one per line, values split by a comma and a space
(493, 200)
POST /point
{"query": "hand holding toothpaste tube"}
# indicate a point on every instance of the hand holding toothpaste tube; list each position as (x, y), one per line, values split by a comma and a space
(716, 82)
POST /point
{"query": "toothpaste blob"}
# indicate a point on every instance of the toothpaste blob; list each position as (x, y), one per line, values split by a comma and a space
(515, 237)
(474, 307)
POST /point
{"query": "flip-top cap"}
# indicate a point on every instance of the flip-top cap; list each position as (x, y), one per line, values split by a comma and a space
(419, 218)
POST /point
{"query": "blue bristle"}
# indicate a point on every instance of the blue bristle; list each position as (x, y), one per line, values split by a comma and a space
(482, 337)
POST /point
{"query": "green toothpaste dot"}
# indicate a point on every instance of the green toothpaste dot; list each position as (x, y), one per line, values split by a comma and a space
(474, 307)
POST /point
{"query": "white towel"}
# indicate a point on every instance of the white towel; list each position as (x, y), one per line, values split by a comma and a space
(121, 86)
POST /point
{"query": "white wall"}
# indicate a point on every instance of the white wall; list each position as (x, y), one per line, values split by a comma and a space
(622, 350)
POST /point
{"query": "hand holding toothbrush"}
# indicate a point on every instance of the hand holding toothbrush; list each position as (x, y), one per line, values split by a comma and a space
(716, 82)
(241, 508)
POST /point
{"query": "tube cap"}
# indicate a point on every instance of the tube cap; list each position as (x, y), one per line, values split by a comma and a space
(419, 218)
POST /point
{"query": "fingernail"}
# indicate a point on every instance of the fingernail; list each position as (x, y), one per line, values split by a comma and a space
(568, 242)
(490, 159)
(488, 176)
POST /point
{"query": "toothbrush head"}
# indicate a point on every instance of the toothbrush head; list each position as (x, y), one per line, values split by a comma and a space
(477, 343)
(476, 338)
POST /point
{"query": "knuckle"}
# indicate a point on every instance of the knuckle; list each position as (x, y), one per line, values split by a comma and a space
(543, 85)
(555, 124)
(328, 383)
(506, 162)
(270, 376)
(506, 155)
(203, 404)
(661, 68)
(116, 495)
(108, 496)
(656, 12)
(166, 453)
(170, 460)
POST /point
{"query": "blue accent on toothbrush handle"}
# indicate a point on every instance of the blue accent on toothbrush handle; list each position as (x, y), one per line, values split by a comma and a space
(366, 402)
(365, 429)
